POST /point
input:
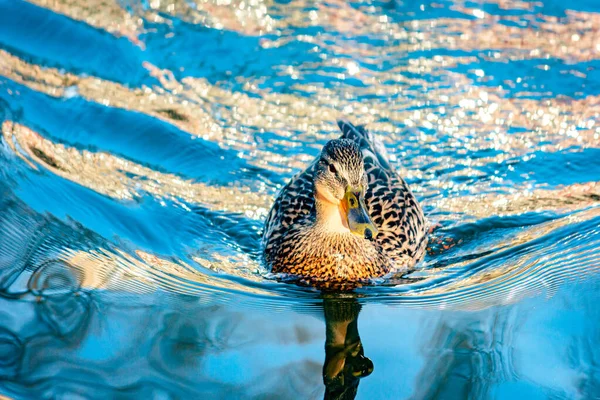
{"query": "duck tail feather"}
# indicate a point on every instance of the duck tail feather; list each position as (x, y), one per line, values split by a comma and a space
(366, 140)
(351, 131)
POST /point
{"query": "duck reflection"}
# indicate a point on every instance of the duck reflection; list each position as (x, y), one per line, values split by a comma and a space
(345, 361)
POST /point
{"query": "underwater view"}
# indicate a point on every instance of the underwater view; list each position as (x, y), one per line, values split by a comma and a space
(143, 143)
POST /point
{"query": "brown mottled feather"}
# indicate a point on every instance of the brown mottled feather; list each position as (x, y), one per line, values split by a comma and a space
(291, 246)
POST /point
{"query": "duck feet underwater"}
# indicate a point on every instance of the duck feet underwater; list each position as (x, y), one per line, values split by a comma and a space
(345, 220)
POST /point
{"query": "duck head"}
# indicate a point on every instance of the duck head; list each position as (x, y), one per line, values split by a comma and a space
(340, 185)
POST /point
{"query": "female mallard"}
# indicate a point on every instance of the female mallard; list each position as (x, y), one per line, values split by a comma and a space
(347, 218)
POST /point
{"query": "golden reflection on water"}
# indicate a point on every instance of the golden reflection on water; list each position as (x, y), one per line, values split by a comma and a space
(576, 38)
(480, 120)
(104, 14)
(125, 180)
(478, 123)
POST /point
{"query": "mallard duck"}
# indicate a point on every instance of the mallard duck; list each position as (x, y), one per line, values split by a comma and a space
(348, 218)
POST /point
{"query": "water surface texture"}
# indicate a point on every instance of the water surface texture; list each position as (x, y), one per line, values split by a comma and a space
(142, 143)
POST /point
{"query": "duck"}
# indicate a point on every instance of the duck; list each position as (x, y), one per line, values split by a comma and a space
(348, 218)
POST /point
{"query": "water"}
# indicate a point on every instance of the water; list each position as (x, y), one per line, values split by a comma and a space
(143, 142)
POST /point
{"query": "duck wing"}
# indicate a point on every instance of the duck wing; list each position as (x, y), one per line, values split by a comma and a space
(293, 206)
(391, 204)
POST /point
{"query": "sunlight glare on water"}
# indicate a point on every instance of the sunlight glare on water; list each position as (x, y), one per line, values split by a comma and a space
(143, 142)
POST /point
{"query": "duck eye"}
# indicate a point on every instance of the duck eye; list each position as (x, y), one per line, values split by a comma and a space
(332, 169)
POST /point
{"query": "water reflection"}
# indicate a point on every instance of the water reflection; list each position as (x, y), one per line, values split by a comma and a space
(345, 361)
(465, 357)
(11, 349)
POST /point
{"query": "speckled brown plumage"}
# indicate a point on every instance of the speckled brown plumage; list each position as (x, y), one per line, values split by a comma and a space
(293, 243)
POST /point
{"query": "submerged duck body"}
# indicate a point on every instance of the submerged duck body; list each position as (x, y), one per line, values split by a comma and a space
(348, 218)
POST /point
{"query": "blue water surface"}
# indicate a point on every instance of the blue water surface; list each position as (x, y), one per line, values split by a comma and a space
(143, 143)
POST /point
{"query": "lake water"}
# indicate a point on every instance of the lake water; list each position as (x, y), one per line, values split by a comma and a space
(144, 141)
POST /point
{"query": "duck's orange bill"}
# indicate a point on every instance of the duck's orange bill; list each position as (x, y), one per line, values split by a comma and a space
(354, 208)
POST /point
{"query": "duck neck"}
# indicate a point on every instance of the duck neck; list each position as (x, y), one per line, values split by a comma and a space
(330, 217)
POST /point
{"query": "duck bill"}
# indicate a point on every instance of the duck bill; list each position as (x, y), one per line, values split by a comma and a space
(356, 213)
